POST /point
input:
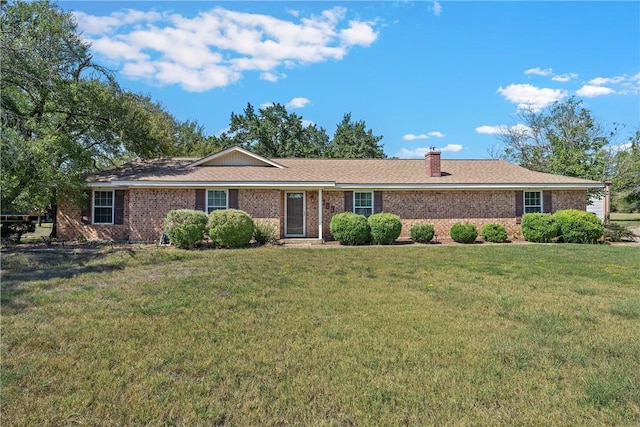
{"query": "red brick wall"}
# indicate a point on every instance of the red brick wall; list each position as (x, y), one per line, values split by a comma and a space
(145, 209)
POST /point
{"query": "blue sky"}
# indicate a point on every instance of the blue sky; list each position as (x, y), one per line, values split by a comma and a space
(447, 74)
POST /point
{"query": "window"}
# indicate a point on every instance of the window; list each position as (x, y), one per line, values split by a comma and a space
(103, 207)
(363, 203)
(216, 199)
(532, 201)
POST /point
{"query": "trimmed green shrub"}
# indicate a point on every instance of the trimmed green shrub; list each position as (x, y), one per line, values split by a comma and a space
(463, 233)
(385, 228)
(422, 233)
(495, 233)
(264, 233)
(539, 227)
(230, 228)
(185, 227)
(578, 226)
(350, 229)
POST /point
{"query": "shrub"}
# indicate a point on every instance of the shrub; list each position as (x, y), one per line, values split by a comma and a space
(422, 233)
(230, 228)
(463, 233)
(350, 229)
(185, 227)
(617, 233)
(539, 227)
(385, 228)
(495, 233)
(264, 233)
(578, 226)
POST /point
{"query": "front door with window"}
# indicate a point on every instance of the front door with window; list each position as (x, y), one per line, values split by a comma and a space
(294, 218)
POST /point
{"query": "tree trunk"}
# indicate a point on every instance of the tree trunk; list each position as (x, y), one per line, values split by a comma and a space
(53, 210)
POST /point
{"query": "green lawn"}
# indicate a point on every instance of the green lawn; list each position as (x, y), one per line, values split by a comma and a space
(629, 219)
(417, 335)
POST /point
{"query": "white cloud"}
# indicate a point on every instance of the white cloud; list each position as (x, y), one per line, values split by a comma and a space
(266, 105)
(565, 77)
(272, 77)
(539, 71)
(529, 96)
(502, 129)
(412, 137)
(216, 47)
(297, 103)
(624, 85)
(406, 153)
(437, 8)
(591, 91)
(306, 123)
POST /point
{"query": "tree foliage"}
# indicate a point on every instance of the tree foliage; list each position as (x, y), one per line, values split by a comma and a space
(564, 139)
(274, 132)
(352, 140)
(63, 115)
(625, 175)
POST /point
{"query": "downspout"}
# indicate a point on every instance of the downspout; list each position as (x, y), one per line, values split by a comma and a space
(320, 214)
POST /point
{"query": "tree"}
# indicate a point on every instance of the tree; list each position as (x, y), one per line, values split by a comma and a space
(563, 139)
(625, 175)
(274, 132)
(354, 141)
(63, 115)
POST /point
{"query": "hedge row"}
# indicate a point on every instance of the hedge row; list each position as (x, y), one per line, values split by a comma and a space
(352, 229)
(229, 228)
(568, 226)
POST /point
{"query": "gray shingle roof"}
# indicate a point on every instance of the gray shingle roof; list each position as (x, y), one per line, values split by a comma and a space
(341, 172)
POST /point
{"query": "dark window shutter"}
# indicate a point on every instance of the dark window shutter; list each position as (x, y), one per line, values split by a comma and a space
(118, 207)
(348, 201)
(85, 215)
(519, 205)
(377, 201)
(233, 199)
(201, 200)
(546, 202)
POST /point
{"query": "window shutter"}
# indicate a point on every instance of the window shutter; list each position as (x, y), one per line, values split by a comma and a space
(519, 205)
(85, 215)
(118, 207)
(546, 202)
(233, 199)
(201, 200)
(348, 201)
(377, 201)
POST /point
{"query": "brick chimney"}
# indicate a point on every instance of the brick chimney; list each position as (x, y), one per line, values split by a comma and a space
(432, 162)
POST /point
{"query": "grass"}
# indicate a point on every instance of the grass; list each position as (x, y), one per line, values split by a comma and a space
(420, 335)
(628, 219)
(43, 230)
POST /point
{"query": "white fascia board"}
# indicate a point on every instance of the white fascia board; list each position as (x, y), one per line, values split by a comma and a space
(211, 184)
(513, 186)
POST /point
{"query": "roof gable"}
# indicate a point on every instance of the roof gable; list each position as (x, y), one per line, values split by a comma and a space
(235, 156)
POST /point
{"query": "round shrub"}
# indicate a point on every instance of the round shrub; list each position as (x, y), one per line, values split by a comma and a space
(185, 227)
(539, 227)
(578, 226)
(495, 233)
(422, 233)
(385, 228)
(350, 229)
(463, 233)
(230, 228)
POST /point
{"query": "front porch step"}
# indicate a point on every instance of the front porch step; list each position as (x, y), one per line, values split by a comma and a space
(300, 242)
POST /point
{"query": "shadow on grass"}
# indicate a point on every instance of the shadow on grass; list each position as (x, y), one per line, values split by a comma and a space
(22, 267)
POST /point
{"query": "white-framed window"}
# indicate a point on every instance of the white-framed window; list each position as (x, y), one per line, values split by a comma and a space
(532, 201)
(103, 207)
(216, 200)
(363, 202)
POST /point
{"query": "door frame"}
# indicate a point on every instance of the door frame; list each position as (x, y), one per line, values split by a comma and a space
(286, 213)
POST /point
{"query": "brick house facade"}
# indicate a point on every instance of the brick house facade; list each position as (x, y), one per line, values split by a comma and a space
(299, 196)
